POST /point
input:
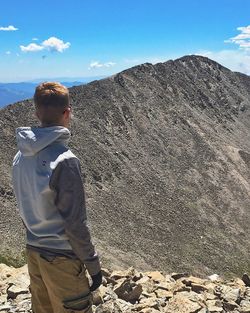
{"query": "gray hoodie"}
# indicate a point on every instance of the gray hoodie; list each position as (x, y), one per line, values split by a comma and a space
(49, 190)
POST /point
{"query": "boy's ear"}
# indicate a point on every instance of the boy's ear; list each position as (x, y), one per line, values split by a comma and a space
(67, 112)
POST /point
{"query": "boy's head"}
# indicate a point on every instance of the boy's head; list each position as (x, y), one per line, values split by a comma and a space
(52, 104)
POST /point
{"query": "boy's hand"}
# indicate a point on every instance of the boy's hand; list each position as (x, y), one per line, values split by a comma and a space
(96, 281)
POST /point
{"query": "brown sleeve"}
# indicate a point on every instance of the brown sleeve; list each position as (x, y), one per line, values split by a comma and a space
(70, 201)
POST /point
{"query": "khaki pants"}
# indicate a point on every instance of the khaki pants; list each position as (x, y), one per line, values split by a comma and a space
(59, 285)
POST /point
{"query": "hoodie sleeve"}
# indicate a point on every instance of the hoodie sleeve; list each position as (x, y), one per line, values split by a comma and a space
(70, 201)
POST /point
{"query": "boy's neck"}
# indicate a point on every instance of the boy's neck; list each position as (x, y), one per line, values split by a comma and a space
(53, 124)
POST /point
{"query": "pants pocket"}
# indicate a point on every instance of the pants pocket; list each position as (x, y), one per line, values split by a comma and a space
(55, 259)
(82, 303)
(47, 258)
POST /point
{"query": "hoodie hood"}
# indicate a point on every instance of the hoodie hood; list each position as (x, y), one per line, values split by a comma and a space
(31, 140)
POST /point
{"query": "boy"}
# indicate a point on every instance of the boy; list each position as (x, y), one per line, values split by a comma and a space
(51, 201)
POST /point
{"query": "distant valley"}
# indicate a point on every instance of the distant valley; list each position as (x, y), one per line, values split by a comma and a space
(14, 92)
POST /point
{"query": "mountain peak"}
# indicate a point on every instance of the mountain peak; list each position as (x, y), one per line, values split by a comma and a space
(165, 152)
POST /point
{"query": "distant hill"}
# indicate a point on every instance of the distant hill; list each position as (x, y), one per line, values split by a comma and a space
(10, 93)
(165, 152)
(13, 92)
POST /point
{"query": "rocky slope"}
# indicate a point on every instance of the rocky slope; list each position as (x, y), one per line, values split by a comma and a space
(150, 292)
(165, 151)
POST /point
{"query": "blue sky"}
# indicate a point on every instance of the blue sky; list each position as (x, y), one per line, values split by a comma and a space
(80, 38)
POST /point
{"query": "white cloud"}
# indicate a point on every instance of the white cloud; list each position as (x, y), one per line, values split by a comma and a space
(55, 44)
(243, 39)
(97, 64)
(7, 52)
(32, 47)
(52, 44)
(109, 64)
(235, 60)
(8, 28)
(35, 39)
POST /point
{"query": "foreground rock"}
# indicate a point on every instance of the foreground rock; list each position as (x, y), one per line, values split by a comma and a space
(14, 289)
(132, 291)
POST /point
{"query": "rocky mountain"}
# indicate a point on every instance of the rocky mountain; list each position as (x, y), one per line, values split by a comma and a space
(165, 151)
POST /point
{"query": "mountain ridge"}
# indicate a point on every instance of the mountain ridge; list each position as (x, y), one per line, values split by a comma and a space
(165, 152)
